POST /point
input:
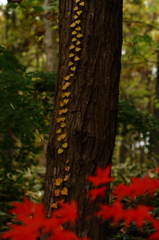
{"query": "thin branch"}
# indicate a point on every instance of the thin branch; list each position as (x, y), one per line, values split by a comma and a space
(125, 20)
(139, 63)
(40, 138)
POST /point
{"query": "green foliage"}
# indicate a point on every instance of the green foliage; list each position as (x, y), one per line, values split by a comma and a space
(133, 121)
(14, 187)
(23, 115)
(38, 9)
(142, 38)
(24, 119)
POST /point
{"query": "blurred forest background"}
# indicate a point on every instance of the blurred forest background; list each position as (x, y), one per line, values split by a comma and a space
(28, 67)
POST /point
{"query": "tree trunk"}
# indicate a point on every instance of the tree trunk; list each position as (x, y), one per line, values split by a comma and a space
(51, 46)
(51, 50)
(84, 122)
(155, 135)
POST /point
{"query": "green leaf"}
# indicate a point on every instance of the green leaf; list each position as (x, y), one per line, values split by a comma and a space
(38, 8)
(13, 5)
(122, 177)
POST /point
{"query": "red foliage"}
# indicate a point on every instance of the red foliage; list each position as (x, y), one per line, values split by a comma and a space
(35, 223)
(117, 213)
(155, 235)
(67, 212)
(137, 187)
(114, 211)
(21, 233)
(94, 193)
(138, 215)
(26, 208)
(103, 176)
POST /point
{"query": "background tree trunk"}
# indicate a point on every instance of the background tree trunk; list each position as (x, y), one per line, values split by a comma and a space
(155, 136)
(87, 121)
(51, 50)
(50, 36)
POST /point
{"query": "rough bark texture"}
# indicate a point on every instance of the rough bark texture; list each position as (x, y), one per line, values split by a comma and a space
(92, 108)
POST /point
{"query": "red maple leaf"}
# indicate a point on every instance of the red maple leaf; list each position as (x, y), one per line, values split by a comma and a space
(121, 191)
(151, 184)
(137, 187)
(138, 215)
(155, 234)
(114, 211)
(93, 193)
(20, 233)
(33, 218)
(67, 212)
(26, 208)
(102, 176)
(141, 186)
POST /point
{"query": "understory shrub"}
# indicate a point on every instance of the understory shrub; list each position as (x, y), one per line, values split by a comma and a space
(132, 206)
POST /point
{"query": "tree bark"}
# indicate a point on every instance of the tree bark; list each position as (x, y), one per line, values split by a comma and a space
(85, 112)
(155, 135)
(51, 46)
(51, 50)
